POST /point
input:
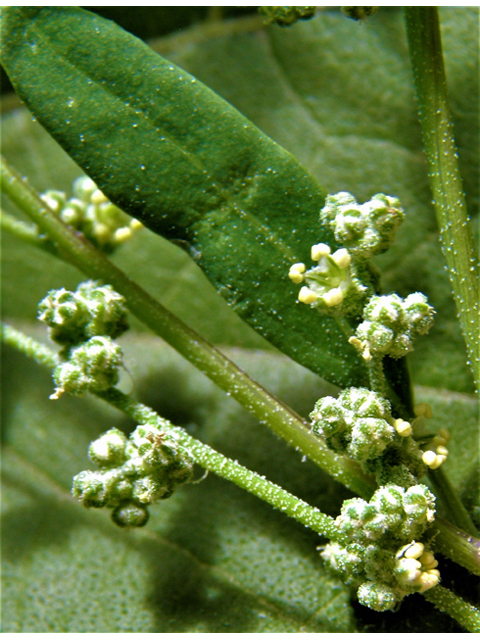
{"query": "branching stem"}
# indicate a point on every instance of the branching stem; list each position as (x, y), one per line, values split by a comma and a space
(270, 411)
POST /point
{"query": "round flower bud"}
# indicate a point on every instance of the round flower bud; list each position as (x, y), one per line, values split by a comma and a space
(130, 514)
(109, 450)
(377, 596)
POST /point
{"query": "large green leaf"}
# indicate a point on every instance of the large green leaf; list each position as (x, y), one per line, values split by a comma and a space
(168, 150)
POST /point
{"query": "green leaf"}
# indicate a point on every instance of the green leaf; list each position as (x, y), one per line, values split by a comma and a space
(172, 153)
(211, 559)
(348, 113)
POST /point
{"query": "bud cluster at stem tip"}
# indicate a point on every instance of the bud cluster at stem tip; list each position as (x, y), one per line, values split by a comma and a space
(134, 472)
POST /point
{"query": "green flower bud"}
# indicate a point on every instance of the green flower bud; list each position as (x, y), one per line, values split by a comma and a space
(369, 437)
(65, 315)
(391, 324)
(109, 450)
(92, 367)
(346, 561)
(106, 308)
(378, 596)
(359, 13)
(130, 514)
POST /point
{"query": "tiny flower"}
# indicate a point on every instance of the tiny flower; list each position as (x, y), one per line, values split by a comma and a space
(331, 286)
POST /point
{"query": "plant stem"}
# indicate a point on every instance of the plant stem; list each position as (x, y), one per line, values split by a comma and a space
(222, 466)
(24, 232)
(255, 484)
(457, 512)
(456, 235)
(204, 455)
(464, 613)
(270, 411)
(39, 352)
(457, 545)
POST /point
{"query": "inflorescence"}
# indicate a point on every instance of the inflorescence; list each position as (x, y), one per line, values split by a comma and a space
(134, 473)
(90, 212)
(382, 559)
(85, 323)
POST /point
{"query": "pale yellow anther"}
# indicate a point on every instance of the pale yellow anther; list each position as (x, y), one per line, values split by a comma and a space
(411, 569)
(307, 296)
(434, 572)
(296, 277)
(342, 258)
(102, 232)
(445, 433)
(98, 197)
(122, 234)
(428, 560)
(439, 461)
(135, 225)
(442, 451)
(319, 251)
(427, 581)
(414, 551)
(296, 272)
(333, 297)
(403, 428)
(423, 409)
(429, 458)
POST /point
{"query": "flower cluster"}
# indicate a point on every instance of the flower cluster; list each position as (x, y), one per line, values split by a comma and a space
(85, 322)
(391, 325)
(90, 212)
(286, 16)
(359, 424)
(364, 229)
(381, 558)
(134, 473)
(92, 310)
(332, 286)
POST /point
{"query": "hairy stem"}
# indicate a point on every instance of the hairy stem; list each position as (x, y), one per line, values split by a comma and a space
(270, 411)
(456, 235)
(204, 455)
(457, 608)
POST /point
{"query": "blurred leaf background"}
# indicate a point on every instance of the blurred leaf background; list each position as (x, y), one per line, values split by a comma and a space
(338, 95)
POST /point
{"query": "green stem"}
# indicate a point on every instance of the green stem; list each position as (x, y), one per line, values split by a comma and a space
(457, 512)
(456, 235)
(249, 480)
(457, 545)
(222, 466)
(280, 418)
(204, 455)
(464, 613)
(25, 232)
